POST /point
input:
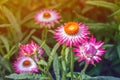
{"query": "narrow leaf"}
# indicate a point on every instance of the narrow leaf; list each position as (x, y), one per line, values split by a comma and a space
(115, 13)
(104, 4)
(27, 76)
(45, 46)
(27, 18)
(66, 54)
(28, 35)
(118, 50)
(56, 67)
(5, 42)
(42, 62)
(52, 54)
(5, 63)
(12, 20)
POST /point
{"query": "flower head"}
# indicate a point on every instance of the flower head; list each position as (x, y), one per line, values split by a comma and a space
(30, 49)
(90, 51)
(71, 33)
(25, 64)
(47, 18)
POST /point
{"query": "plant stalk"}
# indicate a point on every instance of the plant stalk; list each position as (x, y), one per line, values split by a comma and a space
(72, 64)
(85, 67)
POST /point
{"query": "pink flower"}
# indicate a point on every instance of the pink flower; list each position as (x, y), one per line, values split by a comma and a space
(30, 49)
(71, 33)
(47, 18)
(89, 51)
(25, 64)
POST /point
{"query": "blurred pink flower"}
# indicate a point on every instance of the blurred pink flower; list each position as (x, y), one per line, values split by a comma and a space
(71, 33)
(25, 64)
(90, 51)
(31, 49)
(47, 18)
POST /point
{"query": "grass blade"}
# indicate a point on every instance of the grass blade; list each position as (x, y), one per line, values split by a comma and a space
(5, 42)
(104, 4)
(11, 18)
(45, 46)
(56, 67)
(52, 54)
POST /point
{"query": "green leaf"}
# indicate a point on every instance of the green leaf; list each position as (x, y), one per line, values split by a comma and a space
(45, 46)
(11, 52)
(118, 50)
(115, 13)
(97, 26)
(66, 54)
(5, 64)
(63, 65)
(119, 27)
(108, 45)
(42, 62)
(104, 4)
(103, 78)
(79, 76)
(27, 18)
(28, 35)
(5, 42)
(56, 67)
(52, 54)
(26, 76)
(12, 20)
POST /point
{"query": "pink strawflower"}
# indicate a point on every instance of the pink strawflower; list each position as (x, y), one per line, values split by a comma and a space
(90, 51)
(25, 64)
(47, 18)
(71, 33)
(38, 55)
(30, 49)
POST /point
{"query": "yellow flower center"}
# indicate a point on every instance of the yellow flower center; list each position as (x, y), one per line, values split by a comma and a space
(71, 28)
(26, 63)
(46, 15)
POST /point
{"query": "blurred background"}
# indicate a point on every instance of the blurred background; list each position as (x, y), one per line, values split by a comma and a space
(17, 25)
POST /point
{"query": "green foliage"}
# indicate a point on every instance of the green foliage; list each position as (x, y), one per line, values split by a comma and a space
(12, 20)
(52, 54)
(56, 67)
(17, 26)
(45, 46)
(79, 76)
(105, 4)
(27, 76)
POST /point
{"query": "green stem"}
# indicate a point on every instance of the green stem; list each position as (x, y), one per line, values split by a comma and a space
(72, 64)
(63, 63)
(44, 34)
(64, 75)
(46, 71)
(85, 67)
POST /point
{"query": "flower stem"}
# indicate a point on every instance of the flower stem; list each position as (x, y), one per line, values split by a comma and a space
(72, 64)
(63, 63)
(44, 36)
(85, 67)
(46, 72)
